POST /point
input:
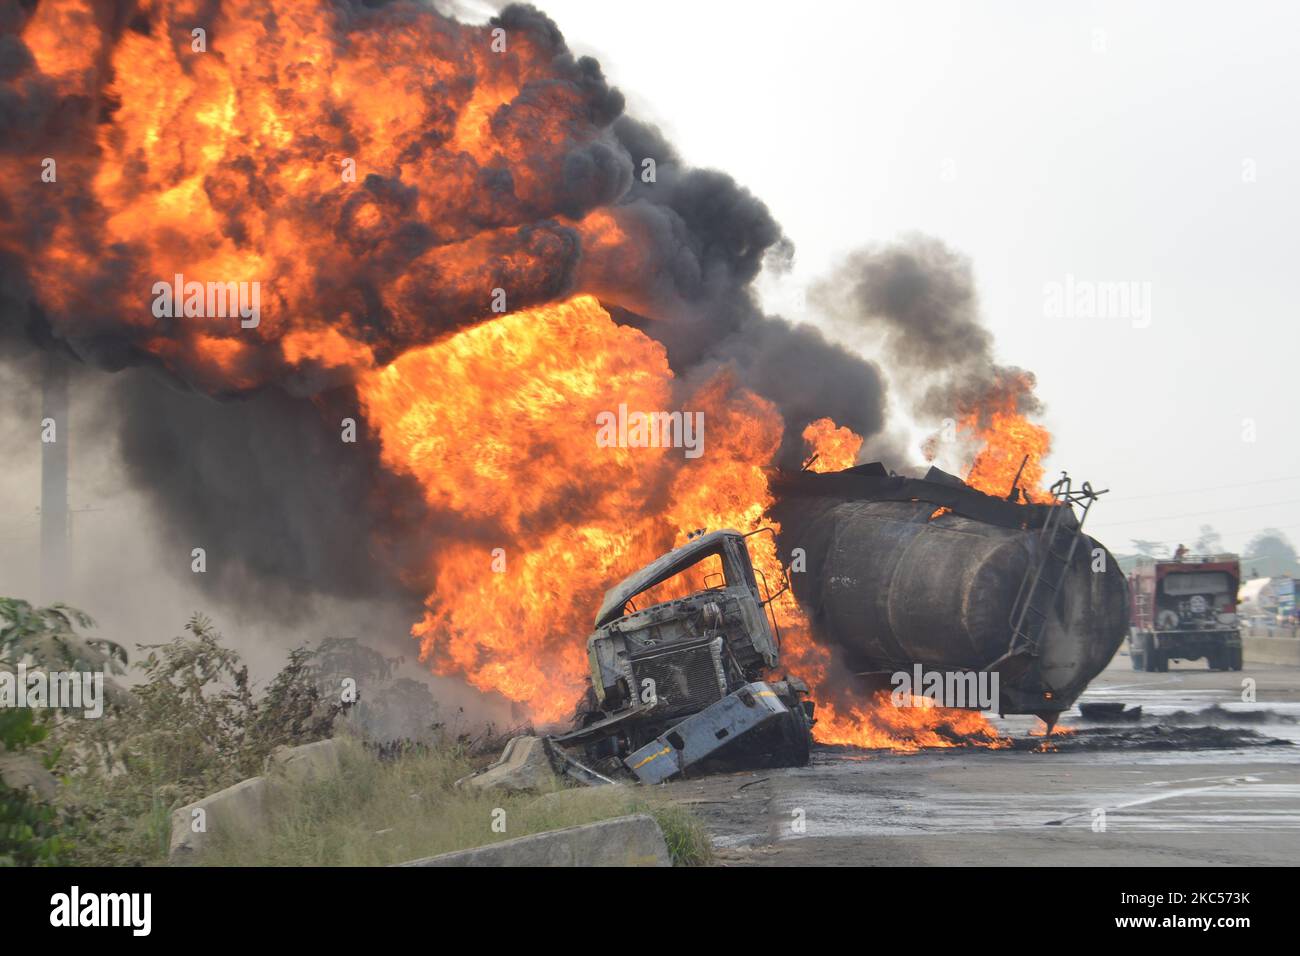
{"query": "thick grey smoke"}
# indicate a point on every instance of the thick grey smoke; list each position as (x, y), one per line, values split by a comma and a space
(915, 299)
(275, 499)
(921, 293)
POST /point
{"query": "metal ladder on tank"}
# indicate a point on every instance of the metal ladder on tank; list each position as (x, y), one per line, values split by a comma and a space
(1057, 540)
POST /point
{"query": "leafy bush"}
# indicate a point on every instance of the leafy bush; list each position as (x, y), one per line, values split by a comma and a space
(29, 827)
(32, 826)
(381, 707)
(191, 728)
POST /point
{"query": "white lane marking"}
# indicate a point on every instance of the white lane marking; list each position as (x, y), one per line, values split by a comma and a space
(1166, 783)
(1224, 782)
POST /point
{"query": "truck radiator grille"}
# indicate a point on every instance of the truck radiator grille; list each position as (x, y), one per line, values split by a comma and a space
(685, 680)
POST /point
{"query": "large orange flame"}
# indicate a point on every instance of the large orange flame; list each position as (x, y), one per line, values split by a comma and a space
(832, 447)
(1006, 438)
(498, 424)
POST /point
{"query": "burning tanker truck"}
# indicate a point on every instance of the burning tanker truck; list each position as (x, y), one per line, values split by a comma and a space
(904, 571)
(900, 572)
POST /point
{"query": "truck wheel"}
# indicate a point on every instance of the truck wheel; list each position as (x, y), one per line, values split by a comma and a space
(796, 736)
(1214, 660)
(1160, 661)
(1139, 652)
(1234, 659)
(1150, 664)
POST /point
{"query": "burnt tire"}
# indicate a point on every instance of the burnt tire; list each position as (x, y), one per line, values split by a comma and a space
(1159, 661)
(1147, 654)
(1234, 659)
(1137, 654)
(1142, 652)
(795, 749)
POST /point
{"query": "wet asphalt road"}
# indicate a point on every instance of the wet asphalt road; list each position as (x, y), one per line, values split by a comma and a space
(1109, 806)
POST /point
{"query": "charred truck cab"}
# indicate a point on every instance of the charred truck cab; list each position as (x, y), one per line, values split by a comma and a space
(682, 668)
(1185, 610)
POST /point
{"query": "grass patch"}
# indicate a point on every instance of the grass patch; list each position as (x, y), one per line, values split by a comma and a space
(378, 812)
(688, 841)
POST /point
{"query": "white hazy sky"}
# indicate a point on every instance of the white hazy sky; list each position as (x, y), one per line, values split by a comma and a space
(1107, 141)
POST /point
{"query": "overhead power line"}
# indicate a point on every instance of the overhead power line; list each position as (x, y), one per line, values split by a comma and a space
(1188, 491)
(1195, 514)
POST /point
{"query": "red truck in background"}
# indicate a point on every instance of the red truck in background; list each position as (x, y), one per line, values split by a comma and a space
(1185, 609)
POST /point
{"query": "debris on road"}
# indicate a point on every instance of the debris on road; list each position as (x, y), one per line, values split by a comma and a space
(1110, 711)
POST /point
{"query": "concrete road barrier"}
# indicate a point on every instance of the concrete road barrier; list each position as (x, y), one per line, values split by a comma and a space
(526, 764)
(236, 809)
(623, 841)
(317, 761)
(243, 807)
(1271, 650)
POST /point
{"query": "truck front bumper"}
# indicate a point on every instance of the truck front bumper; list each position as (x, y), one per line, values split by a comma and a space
(703, 734)
(1194, 643)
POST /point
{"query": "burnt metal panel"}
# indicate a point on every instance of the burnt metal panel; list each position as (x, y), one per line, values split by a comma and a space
(661, 569)
(856, 485)
(700, 735)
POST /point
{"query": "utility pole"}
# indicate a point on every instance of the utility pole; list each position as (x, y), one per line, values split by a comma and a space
(54, 478)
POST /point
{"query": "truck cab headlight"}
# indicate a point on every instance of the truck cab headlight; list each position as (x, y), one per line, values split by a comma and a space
(1227, 617)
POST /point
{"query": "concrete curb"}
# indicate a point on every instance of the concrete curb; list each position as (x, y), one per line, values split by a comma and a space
(623, 841)
(1271, 650)
(527, 763)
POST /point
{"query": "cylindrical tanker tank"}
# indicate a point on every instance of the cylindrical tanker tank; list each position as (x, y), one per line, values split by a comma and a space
(895, 583)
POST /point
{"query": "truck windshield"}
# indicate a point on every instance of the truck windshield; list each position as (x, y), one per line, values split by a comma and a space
(702, 575)
(1201, 582)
